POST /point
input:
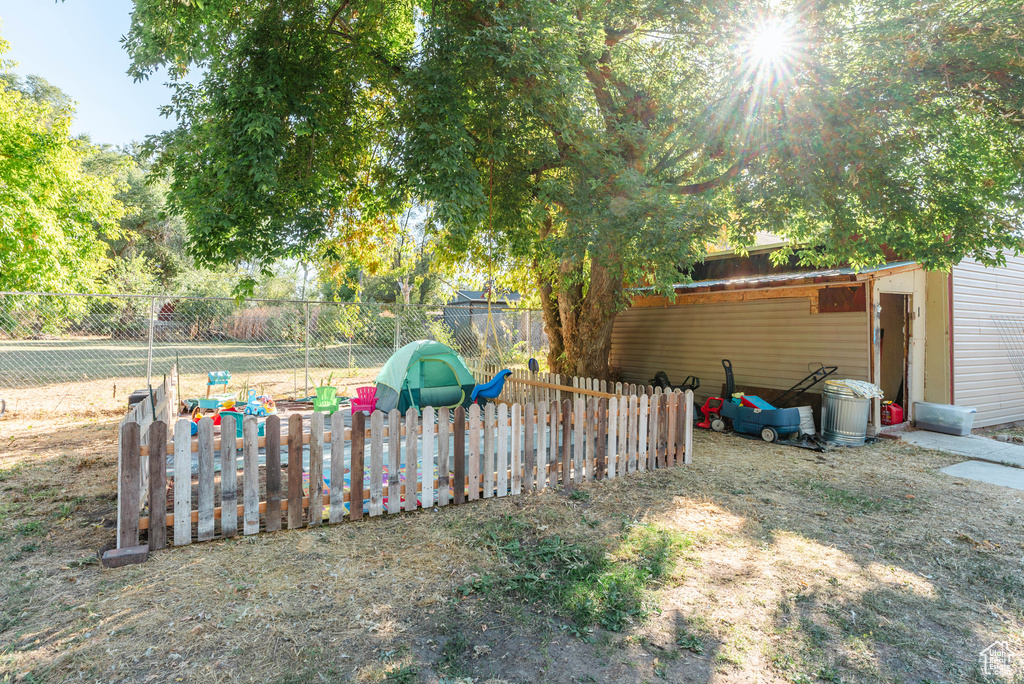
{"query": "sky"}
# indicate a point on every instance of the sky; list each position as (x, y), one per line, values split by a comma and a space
(76, 46)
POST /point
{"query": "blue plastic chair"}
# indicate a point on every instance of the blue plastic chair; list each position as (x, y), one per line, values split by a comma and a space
(492, 389)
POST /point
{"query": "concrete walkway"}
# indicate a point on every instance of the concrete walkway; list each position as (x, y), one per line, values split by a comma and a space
(971, 446)
(993, 462)
(987, 472)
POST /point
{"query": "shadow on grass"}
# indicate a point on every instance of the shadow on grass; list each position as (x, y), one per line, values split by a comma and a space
(855, 582)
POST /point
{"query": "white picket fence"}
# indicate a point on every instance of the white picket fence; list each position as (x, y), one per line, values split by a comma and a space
(396, 463)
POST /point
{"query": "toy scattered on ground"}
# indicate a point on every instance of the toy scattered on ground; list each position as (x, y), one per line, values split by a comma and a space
(268, 403)
(257, 406)
(748, 414)
(660, 379)
(490, 390)
(216, 378)
(239, 417)
(365, 400)
(423, 373)
(197, 415)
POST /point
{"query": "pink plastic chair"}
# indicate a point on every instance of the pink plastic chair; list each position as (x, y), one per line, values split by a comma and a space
(365, 399)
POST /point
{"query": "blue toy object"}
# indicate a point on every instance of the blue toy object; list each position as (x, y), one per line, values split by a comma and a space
(750, 418)
(254, 407)
(216, 378)
(492, 389)
(754, 401)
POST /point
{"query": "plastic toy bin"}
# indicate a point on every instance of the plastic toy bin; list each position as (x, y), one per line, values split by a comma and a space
(953, 420)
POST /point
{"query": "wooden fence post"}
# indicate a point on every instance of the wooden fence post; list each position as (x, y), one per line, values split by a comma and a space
(474, 453)
(250, 476)
(273, 460)
(663, 429)
(566, 443)
(634, 417)
(488, 461)
(337, 513)
(590, 455)
(205, 502)
(316, 469)
(228, 476)
(613, 440)
(656, 458)
(355, 497)
(183, 482)
(517, 441)
(128, 499)
(294, 471)
(552, 456)
(376, 463)
(623, 448)
(601, 463)
(543, 438)
(394, 461)
(157, 485)
(673, 417)
(459, 469)
(427, 471)
(529, 448)
(501, 455)
(411, 458)
(642, 447)
(688, 427)
(579, 439)
(443, 453)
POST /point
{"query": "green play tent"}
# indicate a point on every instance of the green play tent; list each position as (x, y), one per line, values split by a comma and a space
(424, 373)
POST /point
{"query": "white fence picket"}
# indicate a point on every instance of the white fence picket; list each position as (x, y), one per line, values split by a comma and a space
(427, 458)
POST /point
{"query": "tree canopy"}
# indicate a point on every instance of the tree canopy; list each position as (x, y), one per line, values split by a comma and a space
(49, 206)
(600, 145)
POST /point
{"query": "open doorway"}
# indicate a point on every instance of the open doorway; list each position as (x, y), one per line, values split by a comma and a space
(895, 342)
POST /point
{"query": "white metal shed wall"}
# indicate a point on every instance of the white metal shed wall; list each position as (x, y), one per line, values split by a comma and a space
(769, 341)
(983, 375)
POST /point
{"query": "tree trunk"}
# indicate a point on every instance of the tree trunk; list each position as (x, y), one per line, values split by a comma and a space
(578, 324)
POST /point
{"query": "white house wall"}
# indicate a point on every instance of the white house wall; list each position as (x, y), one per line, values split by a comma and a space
(983, 373)
(770, 342)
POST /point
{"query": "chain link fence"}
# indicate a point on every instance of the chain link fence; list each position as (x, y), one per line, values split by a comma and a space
(72, 352)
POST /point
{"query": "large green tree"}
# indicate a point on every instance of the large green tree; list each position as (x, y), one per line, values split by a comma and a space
(49, 206)
(604, 145)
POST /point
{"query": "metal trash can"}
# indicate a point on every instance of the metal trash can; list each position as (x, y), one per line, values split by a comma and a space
(844, 415)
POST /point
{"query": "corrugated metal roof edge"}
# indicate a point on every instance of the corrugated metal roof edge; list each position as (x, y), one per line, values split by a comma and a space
(782, 278)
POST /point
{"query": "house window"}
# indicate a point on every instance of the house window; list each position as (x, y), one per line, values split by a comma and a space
(841, 300)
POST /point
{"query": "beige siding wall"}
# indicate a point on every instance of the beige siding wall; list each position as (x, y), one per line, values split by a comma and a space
(983, 375)
(936, 365)
(769, 341)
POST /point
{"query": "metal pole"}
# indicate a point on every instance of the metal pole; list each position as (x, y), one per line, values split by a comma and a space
(398, 324)
(149, 355)
(306, 345)
(529, 333)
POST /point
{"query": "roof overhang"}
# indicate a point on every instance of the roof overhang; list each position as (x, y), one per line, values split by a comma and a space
(824, 277)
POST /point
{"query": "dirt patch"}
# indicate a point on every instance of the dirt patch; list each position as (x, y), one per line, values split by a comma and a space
(1013, 433)
(861, 565)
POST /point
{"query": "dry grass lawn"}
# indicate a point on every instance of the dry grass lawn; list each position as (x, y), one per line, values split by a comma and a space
(861, 565)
